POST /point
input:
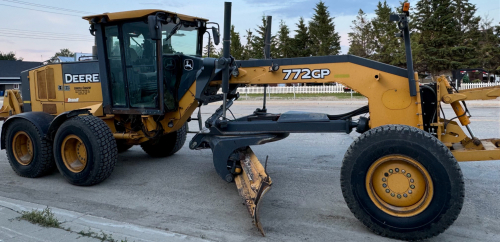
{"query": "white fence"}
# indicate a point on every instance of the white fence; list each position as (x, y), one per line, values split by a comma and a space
(478, 85)
(293, 89)
(339, 88)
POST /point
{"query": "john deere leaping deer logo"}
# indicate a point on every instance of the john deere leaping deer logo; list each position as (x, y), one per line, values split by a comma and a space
(188, 64)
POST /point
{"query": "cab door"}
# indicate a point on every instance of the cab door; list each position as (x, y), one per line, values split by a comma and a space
(132, 69)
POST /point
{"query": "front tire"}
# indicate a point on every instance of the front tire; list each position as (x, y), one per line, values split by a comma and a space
(166, 145)
(29, 153)
(85, 150)
(401, 182)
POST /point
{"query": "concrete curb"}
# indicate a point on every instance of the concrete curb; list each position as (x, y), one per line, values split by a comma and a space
(76, 222)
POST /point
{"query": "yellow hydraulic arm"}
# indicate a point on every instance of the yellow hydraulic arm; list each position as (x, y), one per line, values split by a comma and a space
(12, 104)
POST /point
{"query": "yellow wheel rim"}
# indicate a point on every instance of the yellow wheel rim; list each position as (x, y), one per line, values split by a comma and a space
(399, 186)
(22, 147)
(74, 153)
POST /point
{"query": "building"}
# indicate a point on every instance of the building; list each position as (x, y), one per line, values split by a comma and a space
(10, 73)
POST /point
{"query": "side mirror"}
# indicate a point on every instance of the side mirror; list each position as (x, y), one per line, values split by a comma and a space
(154, 25)
(216, 35)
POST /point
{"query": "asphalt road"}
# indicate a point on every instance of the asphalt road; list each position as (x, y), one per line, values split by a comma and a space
(183, 194)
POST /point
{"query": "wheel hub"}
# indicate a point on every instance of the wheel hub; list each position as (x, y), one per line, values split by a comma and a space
(22, 148)
(74, 153)
(399, 185)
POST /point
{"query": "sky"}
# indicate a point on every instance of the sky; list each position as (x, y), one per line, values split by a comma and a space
(38, 35)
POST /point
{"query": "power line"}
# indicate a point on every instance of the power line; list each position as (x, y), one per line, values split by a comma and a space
(45, 36)
(41, 37)
(20, 31)
(40, 10)
(46, 6)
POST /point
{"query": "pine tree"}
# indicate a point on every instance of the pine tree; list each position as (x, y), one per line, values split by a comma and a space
(247, 49)
(385, 43)
(449, 34)
(284, 45)
(210, 51)
(489, 46)
(236, 46)
(325, 41)
(302, 41)
(468, 25)
(360, 39)
(258, 41)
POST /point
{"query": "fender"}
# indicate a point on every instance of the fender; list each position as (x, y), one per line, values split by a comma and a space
(46, 123)
(61, 118)
(41, 121)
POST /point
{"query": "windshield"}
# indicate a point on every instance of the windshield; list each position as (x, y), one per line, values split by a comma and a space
(184, 41)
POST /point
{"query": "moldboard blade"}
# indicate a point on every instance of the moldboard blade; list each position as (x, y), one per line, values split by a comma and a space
(253, 183)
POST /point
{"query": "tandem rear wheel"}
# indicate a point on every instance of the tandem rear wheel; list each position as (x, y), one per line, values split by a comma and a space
(85, 150)
(401, 182)
(29, 154)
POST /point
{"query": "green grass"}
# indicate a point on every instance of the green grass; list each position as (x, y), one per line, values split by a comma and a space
(44, 218)
(103, 237)
(302, 95)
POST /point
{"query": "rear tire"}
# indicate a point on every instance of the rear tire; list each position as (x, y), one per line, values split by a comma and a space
(166, 145)
(29, 153)
(380, 155)
(85, 150)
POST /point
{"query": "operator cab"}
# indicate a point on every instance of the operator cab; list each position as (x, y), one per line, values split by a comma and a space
(144, 57)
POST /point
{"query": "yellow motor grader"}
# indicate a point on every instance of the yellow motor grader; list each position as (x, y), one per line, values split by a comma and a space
(400, 177)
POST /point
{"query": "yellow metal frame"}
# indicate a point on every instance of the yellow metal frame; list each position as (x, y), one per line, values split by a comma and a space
(463, 147)
(388, 95)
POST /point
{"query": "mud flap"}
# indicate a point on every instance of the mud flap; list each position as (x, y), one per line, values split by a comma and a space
(252, 183)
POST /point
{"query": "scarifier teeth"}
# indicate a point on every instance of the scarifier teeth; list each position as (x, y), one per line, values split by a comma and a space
(253, 183)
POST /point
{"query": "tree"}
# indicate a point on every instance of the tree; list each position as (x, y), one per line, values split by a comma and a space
(236, 46)
(210, 51)
(325, 41)
(489, 56)
(385, 43)
(360, 39)
(258, 41)
(448, 33)
(64, 52)
(247, 49)
(9, 56)
(284, 45)
(301, 42)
